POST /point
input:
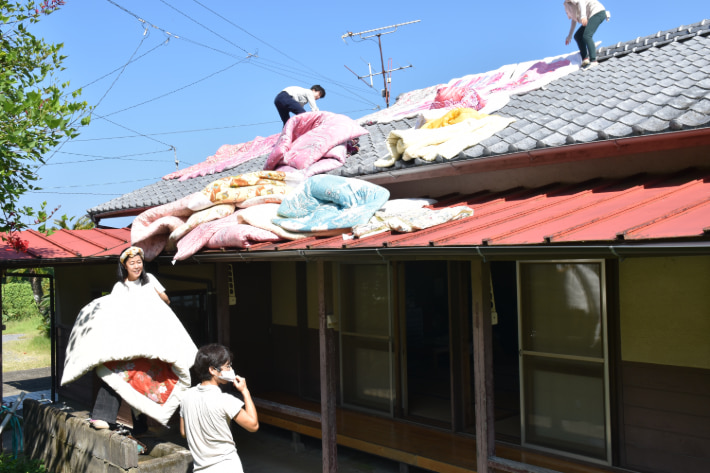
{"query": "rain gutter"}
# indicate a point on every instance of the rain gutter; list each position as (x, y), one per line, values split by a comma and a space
(601, 250)
(540, 156)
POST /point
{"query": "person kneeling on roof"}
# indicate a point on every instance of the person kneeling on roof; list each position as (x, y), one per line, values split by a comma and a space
(292, 99)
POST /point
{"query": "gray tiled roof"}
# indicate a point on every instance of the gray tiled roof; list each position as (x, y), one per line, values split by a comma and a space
(659, 83)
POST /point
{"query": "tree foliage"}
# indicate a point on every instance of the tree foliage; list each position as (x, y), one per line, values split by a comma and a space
(68, 223)
(37, 112)
(9, 464)
(18, 301)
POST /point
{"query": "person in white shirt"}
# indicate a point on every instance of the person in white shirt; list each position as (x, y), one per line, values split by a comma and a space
(132, 278)
(590, 14)
(131, 274)
(293, 99)
(206, 412)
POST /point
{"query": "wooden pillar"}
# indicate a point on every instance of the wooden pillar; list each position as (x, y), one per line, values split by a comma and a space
(224, 280)
(327, 380)
(482, 363)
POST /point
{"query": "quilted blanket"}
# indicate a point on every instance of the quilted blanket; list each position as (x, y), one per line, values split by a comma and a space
(446, 141)
(311, 136)
(225, 232)
(227, 157)
(326, 202)
(410, 220)
(486, 91)
(150, 229)
(137, 327)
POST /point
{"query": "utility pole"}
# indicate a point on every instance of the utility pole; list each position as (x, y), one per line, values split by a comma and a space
(379, 32)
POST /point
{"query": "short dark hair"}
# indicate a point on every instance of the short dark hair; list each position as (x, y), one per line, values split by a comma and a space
(209, 356)
(318, 88)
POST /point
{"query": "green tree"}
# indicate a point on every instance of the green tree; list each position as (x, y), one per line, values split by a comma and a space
(68, 223)
(18, 301)
(40, 290)
(36, 111)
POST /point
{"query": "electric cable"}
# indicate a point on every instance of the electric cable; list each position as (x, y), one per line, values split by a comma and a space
(168, 32)
(264, 42)
(205, 27)
(178, 89)
(123, 69)
(163, 43)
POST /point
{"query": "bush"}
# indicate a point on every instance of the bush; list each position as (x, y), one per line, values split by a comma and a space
(20, 465)
(18, 301)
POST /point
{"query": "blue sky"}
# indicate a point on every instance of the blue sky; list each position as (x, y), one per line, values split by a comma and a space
(196, 89)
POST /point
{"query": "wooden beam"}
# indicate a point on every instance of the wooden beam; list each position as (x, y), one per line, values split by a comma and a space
(482, 363)
(327, 380)
(222, 303)
(288, 410)
(510, 466)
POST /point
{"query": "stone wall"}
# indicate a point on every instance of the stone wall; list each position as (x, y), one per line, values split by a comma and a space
(67, 444)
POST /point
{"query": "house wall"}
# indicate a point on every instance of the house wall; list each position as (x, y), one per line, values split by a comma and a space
(252, 335)
(294, 325)
(77, 285)
(665, 307)
(665, 363)
(662, 375)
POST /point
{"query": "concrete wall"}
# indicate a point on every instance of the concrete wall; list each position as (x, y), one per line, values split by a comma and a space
(67, 444)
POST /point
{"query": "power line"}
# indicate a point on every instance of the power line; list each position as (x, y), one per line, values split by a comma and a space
(177, 132)
(154, 179)
(317, 74)
(163, 43)
(108, 159)
(205, 27)
(145, 35)
(126, 157)
(255, 64)
(168, 33)
(116, 157)
(78, 193)
(134, 131)
(178, 89)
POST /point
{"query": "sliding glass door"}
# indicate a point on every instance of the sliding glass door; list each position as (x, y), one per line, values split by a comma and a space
(366, 336)
(563, 358)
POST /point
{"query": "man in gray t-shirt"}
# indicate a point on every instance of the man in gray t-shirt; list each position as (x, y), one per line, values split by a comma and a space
(206, 412)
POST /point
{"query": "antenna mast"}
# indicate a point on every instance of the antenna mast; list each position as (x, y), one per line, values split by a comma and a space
(386, 74)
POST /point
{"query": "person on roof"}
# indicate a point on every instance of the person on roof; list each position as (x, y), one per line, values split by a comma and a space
(589, 14)
(292, 99)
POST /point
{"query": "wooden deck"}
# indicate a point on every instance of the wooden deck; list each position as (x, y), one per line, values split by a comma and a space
(425, 447)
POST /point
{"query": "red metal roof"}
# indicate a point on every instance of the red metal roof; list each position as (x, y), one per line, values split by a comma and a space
(641, 207)
(65, 244)
(638, 208)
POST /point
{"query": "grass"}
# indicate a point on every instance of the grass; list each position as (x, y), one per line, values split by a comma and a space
(28, 352)
(28, 325)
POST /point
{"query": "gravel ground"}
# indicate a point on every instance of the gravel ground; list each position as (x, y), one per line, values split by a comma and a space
(17, 359)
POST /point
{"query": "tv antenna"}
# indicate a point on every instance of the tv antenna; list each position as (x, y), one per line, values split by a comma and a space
(386, 74)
